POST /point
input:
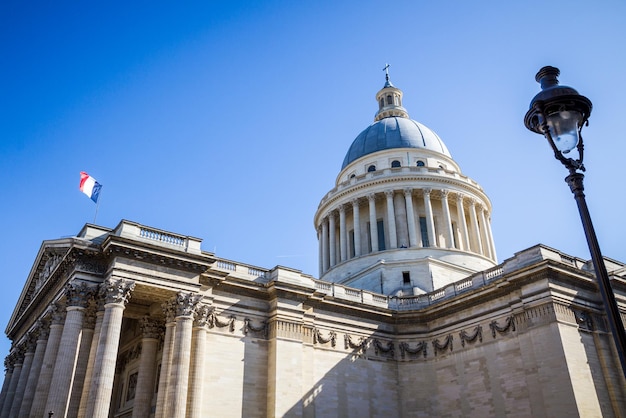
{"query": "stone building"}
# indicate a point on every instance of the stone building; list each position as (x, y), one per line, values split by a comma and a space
(412, 316)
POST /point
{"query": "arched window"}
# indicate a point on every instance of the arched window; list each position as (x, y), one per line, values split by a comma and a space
(395, 164)
(389, 99)
(420, 163)
(352, 176)
(382, 102)
(371, 168)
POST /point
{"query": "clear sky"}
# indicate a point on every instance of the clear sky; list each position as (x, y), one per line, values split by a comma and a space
(229, 121)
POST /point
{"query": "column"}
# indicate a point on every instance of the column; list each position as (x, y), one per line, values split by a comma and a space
(446, 219)
(117, 294)
(357, 227)
(391, 220)
(430, 220)
(151, 331)
(484, 235)
(402, 230)
(29, 354)
(18, 362)
(77, 297)
(8, 375)
(85, 401)
(332, 240)
(410, 217)
(320, 250)
(325, 254)
(464, 238)
(163, 403)
(490, 237)
(41, 333)
(47, 367)
(198, 347)
(82, 362)
(373, 227)
(343, 247)
(185, 306)
(477, 244)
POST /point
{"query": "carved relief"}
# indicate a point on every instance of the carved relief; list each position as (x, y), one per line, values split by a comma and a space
(442, 346)
(214, 321)
(386, 349)
(247, 326)
(360, 345)
(201, 315)
(509, 325)
(477, 334)
(318, 338)
(421, 347)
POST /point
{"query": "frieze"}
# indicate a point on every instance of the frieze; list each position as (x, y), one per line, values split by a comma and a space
(319, 338)
(247, 327)
(385, 349)
(502, 329)
(443, 346)
(421, 347)
(470, 338)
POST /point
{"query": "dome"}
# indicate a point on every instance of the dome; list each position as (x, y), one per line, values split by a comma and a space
(394, 132)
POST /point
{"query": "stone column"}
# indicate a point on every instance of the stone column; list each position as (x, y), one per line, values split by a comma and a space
(430, 220)
(371, 198)
(41, 332)
(198, 347)
(47, 367)
(185, 306)
(151, 330)
(402, 230)
(410, 217)
(320, 251)
(490, 237)
(8, 375)
(77, 298)
(446, 219)
(163, 403)
(357, 227)
(464, 243)
(29, 354)
(85, 401)
(82, 362)
(391, 220)
(332, 240)
(343, 247)
(18, 362)
(117, 294)
(484, 233)
(477, 243)
(325, 252)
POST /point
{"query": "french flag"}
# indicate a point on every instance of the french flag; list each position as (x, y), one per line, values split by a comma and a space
(89, 186)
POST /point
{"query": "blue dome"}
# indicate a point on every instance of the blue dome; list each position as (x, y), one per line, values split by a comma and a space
(394, 132)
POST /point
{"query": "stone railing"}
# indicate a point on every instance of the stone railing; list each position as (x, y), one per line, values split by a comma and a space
(159, 237)
(243, 271)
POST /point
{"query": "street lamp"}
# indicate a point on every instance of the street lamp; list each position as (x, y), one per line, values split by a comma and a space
(559, 113)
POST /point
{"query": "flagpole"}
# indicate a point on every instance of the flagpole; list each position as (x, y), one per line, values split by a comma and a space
(97, 206)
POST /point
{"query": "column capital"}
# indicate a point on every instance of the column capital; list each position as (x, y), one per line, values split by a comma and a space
(371, 197)
(201, 315)
(408, 192)
(117, 290)
(185, 303)
(444, 193)
(151, 328)
(355, 202)
(43, 329)
(57, 313)
(341, 208)
(78, 294)
(471, 201)
(427, 191)
(459, 196)
(389, 193)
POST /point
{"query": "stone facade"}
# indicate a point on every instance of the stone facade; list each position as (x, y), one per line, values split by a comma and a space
(177, 332)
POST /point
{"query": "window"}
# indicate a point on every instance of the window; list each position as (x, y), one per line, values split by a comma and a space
(455, 236)
(371, 168)
(382, 102)
(389, 99)
(424, 232)
(420, 163)
(381, 235)
(132, 387)
(352, 175)
(395, 164)
(406, 277)
(351, 239)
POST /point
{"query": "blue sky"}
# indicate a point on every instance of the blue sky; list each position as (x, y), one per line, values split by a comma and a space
(229, 121)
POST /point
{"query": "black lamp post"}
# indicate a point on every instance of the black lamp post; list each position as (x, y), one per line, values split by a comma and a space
(559, 113)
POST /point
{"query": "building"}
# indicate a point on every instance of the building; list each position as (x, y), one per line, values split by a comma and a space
(411, 316)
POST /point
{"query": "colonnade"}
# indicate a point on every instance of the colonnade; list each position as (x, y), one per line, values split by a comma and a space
(67, 363)
(467, 232)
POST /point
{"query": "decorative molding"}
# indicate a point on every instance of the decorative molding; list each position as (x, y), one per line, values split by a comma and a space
(477, 334)
(247, 327)
(421, 347)
(442, 346)
(510, 325)
(380, 348)
(360, 345)
(318, 338)
(214, 321)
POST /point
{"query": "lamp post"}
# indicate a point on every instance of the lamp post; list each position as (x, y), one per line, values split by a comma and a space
(559, 113)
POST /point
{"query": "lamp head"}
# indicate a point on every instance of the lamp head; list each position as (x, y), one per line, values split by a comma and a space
(557, 112)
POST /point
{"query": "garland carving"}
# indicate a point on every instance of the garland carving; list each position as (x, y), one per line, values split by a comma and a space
(443, 346)
(421, 347)
(318, 338)
(478, 334)
(510, 324)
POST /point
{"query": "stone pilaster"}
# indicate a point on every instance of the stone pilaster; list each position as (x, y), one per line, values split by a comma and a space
(196, 376)
(41, 332)
(77, 297)
(47, 367)
(151, 332)
(185, 306)
(162, 405)
(29, 347)
(117, 294)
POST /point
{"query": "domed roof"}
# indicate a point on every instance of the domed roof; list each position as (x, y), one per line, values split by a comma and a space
(394, 132)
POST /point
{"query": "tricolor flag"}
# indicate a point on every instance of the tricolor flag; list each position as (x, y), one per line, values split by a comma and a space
(89, 186)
